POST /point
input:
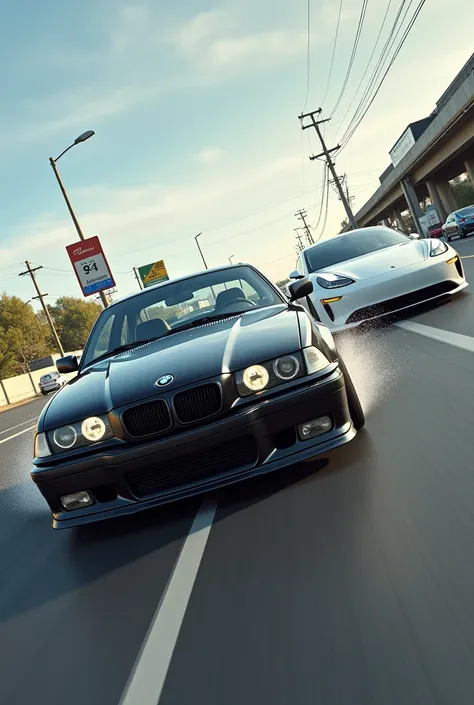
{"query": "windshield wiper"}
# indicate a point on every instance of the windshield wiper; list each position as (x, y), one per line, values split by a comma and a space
(204, 320)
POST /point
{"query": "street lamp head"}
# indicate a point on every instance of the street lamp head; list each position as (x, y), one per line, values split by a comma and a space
(85, 136)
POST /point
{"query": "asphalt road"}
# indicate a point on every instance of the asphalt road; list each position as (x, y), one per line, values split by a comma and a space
(348, 580)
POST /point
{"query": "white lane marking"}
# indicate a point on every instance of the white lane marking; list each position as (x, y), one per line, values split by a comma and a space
(148, 676)
(467, 256)
(15, 435)
(465, 342)
(12, 428)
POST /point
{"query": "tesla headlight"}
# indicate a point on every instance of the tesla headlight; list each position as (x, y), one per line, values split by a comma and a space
(80, 434)
(333, 281)
(438, 248)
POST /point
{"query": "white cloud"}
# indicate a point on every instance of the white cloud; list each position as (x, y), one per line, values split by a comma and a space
(209, 155)
(217, 49)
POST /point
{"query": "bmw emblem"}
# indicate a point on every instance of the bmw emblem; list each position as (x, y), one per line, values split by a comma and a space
(164, 381)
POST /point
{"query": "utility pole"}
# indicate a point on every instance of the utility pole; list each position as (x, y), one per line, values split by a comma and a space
(31, 271)
(299, 244)
(301, 215)
(137, 277)
(326, 153)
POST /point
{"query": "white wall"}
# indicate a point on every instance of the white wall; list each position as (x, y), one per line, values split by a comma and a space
(25, 387)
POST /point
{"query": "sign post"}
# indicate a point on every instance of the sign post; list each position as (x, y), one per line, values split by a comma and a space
(90, 266)
(153, 273)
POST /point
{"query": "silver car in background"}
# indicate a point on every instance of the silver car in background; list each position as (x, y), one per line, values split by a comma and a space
(51, 382)
(372, 272)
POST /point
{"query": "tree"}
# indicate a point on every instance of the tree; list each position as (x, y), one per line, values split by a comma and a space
(463, 192)
(73, 319)
(23, 336)
(344, 224)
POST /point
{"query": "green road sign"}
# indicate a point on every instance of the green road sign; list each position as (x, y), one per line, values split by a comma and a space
(153, 273)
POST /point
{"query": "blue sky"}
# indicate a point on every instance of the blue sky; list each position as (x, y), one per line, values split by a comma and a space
(195, 110)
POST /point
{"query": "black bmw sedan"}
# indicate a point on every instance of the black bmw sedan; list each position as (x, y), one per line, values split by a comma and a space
(188, 386)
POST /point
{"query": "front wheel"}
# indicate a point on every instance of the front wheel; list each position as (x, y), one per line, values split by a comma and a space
(355, 407)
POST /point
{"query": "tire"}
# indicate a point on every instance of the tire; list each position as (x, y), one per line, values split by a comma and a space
(355, 407)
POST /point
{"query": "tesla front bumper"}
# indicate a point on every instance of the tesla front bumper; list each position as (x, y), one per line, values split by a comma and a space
(391, 292)
(257, 440)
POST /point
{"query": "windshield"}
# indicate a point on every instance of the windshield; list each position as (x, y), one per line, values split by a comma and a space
(354, 244)
(469, 210)
(161, 310)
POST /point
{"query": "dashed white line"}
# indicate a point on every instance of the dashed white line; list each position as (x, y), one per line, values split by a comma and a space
(15, 435)
(465, 342)
(148, 676)
(12, 428)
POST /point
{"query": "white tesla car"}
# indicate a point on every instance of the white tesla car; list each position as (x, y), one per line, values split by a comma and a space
(372, 272)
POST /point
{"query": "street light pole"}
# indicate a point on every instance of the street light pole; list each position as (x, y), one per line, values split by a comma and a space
(82, 138)
(200, 251)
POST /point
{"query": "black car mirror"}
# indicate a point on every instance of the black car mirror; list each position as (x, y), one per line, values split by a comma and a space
(296, 275)
(67, 364)
(300, 289)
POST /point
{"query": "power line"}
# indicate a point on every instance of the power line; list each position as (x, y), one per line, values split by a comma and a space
(407, 31)
(353, 54)
(333, 54)
(367, 66)
(380, 61)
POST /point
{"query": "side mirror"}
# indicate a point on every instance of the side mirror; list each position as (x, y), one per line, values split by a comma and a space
(414, 236)
(296, 275)
(68, 364)
(300, 289)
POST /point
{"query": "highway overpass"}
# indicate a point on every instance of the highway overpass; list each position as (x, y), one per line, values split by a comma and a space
(424, 165)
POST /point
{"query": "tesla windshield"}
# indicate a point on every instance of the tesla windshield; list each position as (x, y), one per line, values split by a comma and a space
(354, 244)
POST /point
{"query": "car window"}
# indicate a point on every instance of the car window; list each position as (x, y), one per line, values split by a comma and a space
(159, 310)
(354, 244)
(103, 340)
(469, 210)
(45, 378)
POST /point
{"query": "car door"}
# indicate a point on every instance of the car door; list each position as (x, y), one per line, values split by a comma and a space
(450, 225)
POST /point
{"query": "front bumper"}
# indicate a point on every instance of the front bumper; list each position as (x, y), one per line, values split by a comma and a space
(119, 479)
(391, 292)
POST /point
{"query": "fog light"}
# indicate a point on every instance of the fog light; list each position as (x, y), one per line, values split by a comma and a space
(315, 427)
(76, 500)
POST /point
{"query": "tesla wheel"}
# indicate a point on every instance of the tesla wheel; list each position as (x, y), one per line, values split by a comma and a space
(355, 407)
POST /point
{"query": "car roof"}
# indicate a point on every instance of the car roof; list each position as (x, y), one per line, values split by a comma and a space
(182, 279)
(341, 236)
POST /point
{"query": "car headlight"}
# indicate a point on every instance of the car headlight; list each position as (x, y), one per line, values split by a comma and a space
(333, 281)
(80, 434)
(438, 248)
(266, 375)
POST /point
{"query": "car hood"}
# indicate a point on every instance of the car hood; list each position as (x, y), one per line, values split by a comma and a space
(189, 356)
(382, 261)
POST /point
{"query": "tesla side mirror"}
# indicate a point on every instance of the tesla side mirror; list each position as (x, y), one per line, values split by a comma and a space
(68, 364)
(296, 275)
(414, 236)
(299, 289)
